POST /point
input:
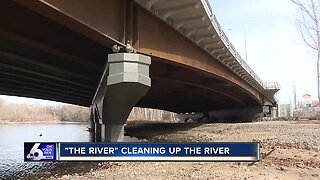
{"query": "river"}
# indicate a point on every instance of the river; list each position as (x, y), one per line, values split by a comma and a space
(12, 137)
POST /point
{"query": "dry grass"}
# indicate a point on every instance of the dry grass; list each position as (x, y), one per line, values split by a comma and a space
(12, 112)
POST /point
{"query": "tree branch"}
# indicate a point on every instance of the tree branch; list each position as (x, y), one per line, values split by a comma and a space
(309, 22)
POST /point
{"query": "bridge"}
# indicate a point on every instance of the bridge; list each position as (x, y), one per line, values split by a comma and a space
(116, 54)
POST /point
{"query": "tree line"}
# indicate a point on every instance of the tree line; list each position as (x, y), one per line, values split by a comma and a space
(13, 112)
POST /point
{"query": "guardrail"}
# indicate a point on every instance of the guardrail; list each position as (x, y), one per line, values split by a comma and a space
(272, 85)
(231, 48)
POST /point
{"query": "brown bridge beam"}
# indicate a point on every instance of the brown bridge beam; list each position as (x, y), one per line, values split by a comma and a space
(126, 21)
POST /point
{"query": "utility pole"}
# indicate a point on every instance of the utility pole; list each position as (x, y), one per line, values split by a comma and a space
(294, 97)
(245, 41)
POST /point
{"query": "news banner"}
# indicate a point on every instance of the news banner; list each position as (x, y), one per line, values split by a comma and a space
(58, 151)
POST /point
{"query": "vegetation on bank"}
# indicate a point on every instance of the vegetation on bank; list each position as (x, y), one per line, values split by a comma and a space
(13, 112)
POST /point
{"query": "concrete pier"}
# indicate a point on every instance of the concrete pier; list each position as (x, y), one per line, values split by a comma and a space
(114, 132)
(97, 128)
(274, 113)
(125, 81)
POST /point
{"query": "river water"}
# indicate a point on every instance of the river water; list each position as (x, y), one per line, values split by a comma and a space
(13, 136)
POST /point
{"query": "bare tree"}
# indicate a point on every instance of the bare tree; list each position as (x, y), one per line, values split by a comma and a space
(309, 28)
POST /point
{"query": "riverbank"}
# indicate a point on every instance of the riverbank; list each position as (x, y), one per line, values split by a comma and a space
(289, 150)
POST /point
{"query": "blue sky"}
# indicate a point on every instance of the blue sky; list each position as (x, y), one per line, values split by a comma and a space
(276, 51)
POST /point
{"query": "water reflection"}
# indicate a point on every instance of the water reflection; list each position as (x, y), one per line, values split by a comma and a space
(12, 137)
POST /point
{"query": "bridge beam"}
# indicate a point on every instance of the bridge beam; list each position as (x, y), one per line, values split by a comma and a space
(124, 81)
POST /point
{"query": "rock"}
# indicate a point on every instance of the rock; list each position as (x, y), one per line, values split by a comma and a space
(283, 168)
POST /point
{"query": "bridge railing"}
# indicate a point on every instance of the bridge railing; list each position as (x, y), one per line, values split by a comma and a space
(272, 85)
(229, 45)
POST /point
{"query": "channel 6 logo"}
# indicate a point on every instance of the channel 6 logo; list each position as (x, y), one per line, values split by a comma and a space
(39, 151)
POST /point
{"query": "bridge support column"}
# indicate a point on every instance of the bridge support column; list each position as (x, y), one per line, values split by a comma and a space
(92, 128)
(125, 80)
(273, 112)
(97, 128)
(114, 133)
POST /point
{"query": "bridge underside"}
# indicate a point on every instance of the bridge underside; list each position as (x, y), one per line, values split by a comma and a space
(178, 89)
(53, 52)
(32, 72)
(43, 59)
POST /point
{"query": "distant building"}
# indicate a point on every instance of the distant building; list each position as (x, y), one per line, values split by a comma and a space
(306, 100)
(285, 110)
(315, 103)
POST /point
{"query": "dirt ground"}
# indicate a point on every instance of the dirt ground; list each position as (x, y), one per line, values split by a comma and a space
(289, 150)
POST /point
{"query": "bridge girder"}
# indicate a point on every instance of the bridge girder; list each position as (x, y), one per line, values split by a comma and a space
(126, 21)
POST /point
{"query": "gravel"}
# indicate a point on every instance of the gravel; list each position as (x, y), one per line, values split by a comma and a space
(294, 147)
